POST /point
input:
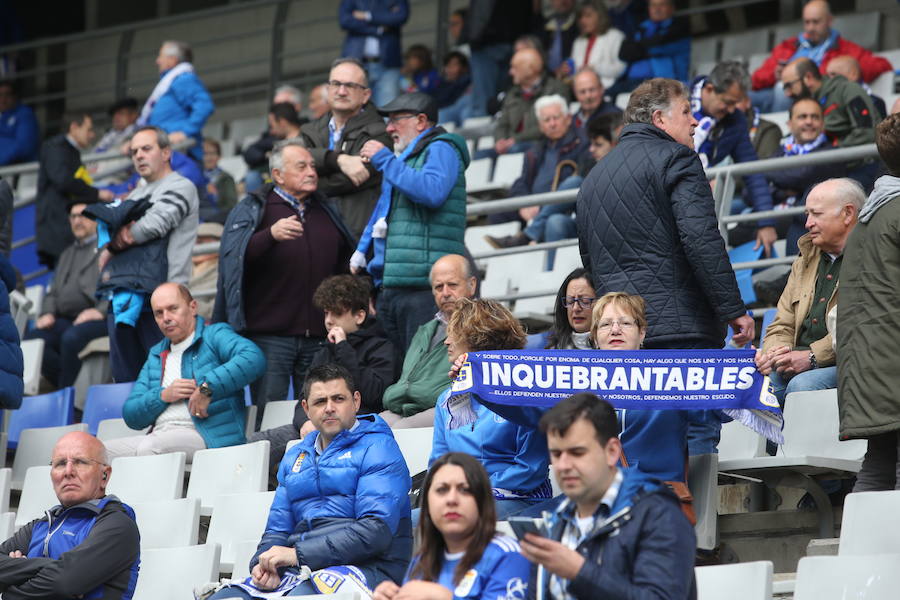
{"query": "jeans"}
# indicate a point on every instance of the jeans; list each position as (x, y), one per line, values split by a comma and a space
(287, 357)
(385, 83)
(129, 346)
(880, 467)
(488, 63)
(457, 112)
(771, 99)
(823, 378)
(537, 231)
(304, 589)
(401, 311)
(62, 343)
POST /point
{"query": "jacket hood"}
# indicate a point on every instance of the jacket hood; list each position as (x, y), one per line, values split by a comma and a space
(368, 424)
(887, 187)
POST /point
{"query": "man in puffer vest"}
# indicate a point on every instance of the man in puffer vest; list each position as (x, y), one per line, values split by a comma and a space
(86, 547)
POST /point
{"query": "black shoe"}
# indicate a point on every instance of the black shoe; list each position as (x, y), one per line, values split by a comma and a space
(508, 241)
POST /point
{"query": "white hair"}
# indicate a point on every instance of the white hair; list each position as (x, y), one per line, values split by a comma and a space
(294, 93)
(552, 100)
(178, 49)
(276, 158)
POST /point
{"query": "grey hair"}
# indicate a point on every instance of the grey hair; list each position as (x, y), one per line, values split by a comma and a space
(323, 92)
(726, 74)
(551, 100)
(276, 158)
(847, 191)
(344, 60)
(296, 94)
(162, 138)
(180, 50)
(653, 95)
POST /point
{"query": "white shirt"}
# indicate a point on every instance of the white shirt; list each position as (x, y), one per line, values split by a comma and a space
(177, 413)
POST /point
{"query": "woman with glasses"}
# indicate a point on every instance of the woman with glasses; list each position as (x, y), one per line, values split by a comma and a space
(572, 315)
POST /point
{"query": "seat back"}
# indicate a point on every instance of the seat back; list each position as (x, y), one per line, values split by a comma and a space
(508, 169)
(20, 309)
(147, 478)
(5, 487)
(175, 572)
(47, 410)
(741, 581)
(110, 429)
(243, 552)
(872, 577)
(703, 481)
(811, 425)
(738, 441)
(478, 174)
(870, 524)
(167, 523)
(104, 401)
(32, 360)
(230, 470)
(415, 445)
(7, 525)
(35, 449)
(237, 518)
(277, 413)
(37, 495)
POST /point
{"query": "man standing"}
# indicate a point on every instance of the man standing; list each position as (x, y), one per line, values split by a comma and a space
(279, 244)
(88, 546)
(659, 47)
(62, 181)
(867, 348)
(191, 389)
(422, 208)
(336, 138)
(588, 90)
(797, 353)
(179, 104)
(19, 135)
(559, 32)
(617, 533)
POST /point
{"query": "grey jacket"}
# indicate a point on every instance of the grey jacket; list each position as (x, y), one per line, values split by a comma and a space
(75, 283)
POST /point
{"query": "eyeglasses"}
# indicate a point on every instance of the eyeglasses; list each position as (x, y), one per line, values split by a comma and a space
(80, 464)
(570, 301)
(394, 120)
(623, 324)
(788, 84)
(336, 85)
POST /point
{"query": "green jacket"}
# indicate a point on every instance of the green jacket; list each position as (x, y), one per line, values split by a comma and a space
(417, 234)
(850, 116)
(424, 374)
(517, 109)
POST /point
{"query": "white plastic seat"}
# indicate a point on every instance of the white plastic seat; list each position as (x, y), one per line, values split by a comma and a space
(37, 495)
(415, 445)
(567, 259)
(167, 523)
(622, 100)
(147, 478)
(5, 487)
(755, 61)
(239, 129)
(250, 420)
(478, 175)
(541, 281)
(175, 572)
(741, 581)
(861, 27)
(36, 447)
(703, 481)
(485, 142)
(35, 293)
(111, 429)
(870, 524)
(738, 441)
(779, 118)
(872, 577)
(234, 166)
(20, 309)
(476, 122)
(704, 49)
(503, 273)
(230, 470)
(243, 552)
(236, 518)
(278, 413)
(745, 43)
(508, 169)
(33, 359)
(7, 525)
(475, 242)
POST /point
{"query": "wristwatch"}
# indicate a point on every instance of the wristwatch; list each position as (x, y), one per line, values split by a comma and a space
(205, 389)
(813, 363)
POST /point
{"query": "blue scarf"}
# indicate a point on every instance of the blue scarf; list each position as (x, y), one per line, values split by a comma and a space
(793, 148)
(814, 53)
(702, 145)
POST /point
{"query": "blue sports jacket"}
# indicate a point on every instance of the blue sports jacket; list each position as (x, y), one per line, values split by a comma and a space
(388, 16)
(11, 361)
(184, 107)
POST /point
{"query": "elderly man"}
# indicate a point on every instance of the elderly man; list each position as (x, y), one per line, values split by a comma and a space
(179, 104)
(420, 216)
(282, 123)
(849, 68)
(336, 139)
(279, 244)
(797, 352)
(588, 90)
(410, 401)
(818, 42)
(72, 315)
(318, 101)
(19, 132)
(124, 115)
(341, 508)
(191, 389)
(88, 546)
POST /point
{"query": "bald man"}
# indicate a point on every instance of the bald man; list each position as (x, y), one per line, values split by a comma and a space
(848, 67)
(88, 546)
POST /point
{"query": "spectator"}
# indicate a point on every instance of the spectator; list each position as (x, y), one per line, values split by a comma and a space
(410, 401)
(459, 544)
(335, 141)
(191, 389)
(818, 42)
(11, 384)
(517, 127)
(179, 104)
(418, 73)
(96, 553)
(171, 220)
(221, 189)
(764, 134)
(603, 134)
(559, 33)
(550, 165)
(848, 67)
(454, 90)
(355, 342)
(280, 243)
(572, 313)
(456, 23)
(19, 135)
(373, 37)
(588, 90)
(598, 45)
(72, 315)
(422, 206)
(205, 272)
(722, 132)
(318, 101)
(797, 354)
(661, 47)
(626, 15)
(63, 180)
(647, 549)
(284, 123)
(345, 510)
(124, 115)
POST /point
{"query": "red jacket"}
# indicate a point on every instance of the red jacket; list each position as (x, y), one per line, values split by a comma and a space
(872, 66)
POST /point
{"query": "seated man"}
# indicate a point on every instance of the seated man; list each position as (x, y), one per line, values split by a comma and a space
(19, 132)
(646, 550)
(341, 508)
(124, 115)
(221, 190)
(588, 91)
(849, 68)
(191, 389)
(88, 546)
(72, 315)
(797, 353)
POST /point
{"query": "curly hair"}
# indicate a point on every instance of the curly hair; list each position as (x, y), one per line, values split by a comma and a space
(629, 303)
(653, 95)
(340, 293)
(887, 140)
(485, 325)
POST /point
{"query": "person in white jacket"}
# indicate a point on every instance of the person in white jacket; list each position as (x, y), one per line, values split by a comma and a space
(598, 45)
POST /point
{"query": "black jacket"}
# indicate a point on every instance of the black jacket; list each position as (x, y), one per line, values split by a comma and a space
(58, 188)
(646, 225)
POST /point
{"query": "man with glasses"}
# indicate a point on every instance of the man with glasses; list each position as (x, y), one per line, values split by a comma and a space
(335, 139)
(86, 547)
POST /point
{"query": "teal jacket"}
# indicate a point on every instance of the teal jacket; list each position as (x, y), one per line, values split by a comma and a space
(218, 356)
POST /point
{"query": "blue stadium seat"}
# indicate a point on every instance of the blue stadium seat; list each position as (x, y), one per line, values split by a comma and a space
(48, 410)
(104, 402)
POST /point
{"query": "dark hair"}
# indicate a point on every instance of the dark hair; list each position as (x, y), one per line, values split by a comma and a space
(327, 372)
(461, 12)
(584, 405)
(459, 56)
(598, 127)
(162, 138)
(214, 143)
(887, 140)
(12, 85)
(285, 111)
(804, 66)
(603, 21)
(421, 52)
(561, 332)
(75, 117)
(432, 545)
(121, 104)
(726, 74)
(340, 293)
(797, 101)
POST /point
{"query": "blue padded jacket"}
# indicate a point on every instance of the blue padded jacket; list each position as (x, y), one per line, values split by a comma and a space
(184, 107)
(11, 362)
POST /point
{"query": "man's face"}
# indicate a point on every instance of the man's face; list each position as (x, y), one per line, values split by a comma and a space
(454, 26)
(718, 105)
(844, 65)
(348, 320)
(150, 161)
(826, 220)
(347, 91)
(123, 117)
(678, 122)
(583, 467)
(660, 10)
(277, 127)
(588, 91)
(83, 133)
(795, 87)
(298, 173)
(553, 122)
(404, 127)
(82, 227)
(816, 22)
(77, 470)
(174, 315)
(210, 156)
(7, 98)
(164, 61)
(318, 102)
(453, 70)
(806, 121)
(522, 68)
(331, 407)
(449, 284)
(600, 147)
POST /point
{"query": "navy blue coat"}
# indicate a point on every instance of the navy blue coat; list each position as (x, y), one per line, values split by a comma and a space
(572, 147)
(387, 18)
(11, 363)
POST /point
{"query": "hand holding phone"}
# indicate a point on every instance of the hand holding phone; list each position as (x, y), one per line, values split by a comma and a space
(523, 525)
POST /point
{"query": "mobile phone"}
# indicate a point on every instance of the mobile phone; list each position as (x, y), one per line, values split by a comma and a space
(523, 525)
